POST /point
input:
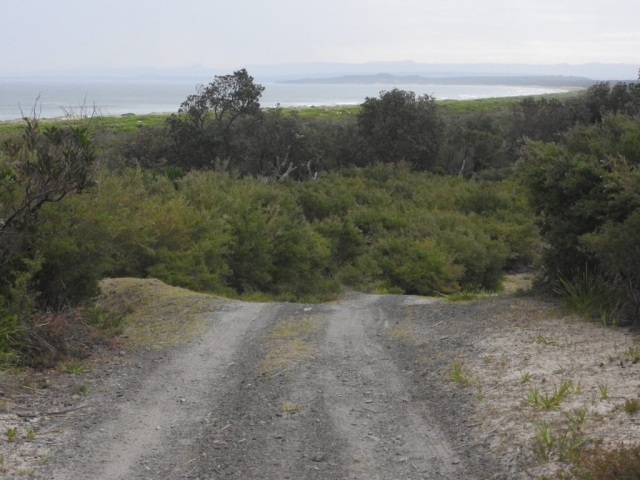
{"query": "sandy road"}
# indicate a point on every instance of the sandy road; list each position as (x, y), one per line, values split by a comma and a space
(208, 411)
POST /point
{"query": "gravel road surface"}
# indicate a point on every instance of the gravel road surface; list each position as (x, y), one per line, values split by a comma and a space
(275, 391)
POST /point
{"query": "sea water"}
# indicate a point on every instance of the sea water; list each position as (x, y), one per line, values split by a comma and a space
(52, 97)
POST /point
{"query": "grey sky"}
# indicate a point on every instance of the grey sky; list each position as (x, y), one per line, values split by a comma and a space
(62, 34)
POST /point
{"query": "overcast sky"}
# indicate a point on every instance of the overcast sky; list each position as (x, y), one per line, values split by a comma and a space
(67, 34)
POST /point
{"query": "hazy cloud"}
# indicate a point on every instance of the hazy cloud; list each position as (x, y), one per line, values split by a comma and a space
(61, 34)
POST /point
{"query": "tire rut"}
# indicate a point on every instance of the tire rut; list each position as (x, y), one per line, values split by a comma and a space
(170, 407)
(389, 437)
(345, 412)
(275, 425)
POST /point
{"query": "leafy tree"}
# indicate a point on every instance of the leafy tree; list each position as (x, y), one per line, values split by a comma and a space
(272, 144)
(40, 168)
(544, 120)
(227, 98)
(472, 146)
(587, 195)
(603, 98)
(400, 127)
(43, 166)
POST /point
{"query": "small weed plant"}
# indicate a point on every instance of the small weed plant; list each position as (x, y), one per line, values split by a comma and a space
(288, 407)
(583, 294)
(633, 354)
(568, 444)
(525, 377)
(564, 443)
(577, 417)
(74, 368)
(31, 435)
(536, 398)
(632, 406)
(543, 439)
(542, 340)
(603, 391)
(80, 389)
(12, 434)
(457, 375)
(105, 320)
(608, 319)
(468, 295)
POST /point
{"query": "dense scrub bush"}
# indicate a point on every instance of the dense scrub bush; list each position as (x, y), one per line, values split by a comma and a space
(221, 127)
(380, 227)
(146, 147)
(586, 193)
(418, 267)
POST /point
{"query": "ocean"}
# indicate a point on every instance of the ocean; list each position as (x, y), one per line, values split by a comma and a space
(116, 96)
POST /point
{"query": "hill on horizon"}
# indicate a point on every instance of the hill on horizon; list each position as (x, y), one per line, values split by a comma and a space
(388, 79)
(298, 71)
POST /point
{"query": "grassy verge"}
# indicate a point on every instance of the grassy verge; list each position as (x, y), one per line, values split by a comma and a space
(155, 315)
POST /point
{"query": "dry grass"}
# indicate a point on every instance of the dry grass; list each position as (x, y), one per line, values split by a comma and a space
(156, 315)
(517, 282)
(406, 330)
(289, 343)
(290, 408)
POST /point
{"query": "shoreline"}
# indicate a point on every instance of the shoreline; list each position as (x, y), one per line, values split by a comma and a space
(117, 100)
(296, 107)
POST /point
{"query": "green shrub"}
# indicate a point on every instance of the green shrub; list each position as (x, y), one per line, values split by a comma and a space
(587, 195)
(417, 267)
(481, 258)
(346, 241)
(376, 229)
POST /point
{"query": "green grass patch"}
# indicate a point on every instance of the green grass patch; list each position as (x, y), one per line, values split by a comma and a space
(104, 124)
(494, 105)
(337, 111)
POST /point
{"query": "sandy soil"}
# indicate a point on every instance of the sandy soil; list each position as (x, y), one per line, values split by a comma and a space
(357, 389)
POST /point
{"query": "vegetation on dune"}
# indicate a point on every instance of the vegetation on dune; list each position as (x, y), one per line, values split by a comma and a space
(397, 195)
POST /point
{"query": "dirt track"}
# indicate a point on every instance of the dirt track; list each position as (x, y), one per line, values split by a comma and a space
(338, 405)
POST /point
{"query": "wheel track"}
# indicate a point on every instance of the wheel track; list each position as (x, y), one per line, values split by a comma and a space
(357, 417)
